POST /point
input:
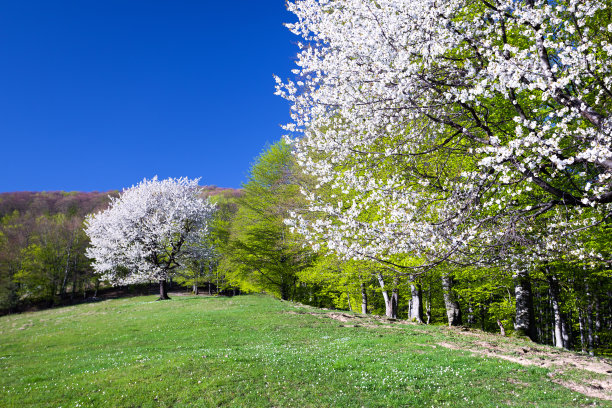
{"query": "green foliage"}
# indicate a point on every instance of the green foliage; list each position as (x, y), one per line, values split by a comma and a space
(261, 253)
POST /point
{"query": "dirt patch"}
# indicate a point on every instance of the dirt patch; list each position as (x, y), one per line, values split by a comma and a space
(368, 321)
(341, 317)
(594, 388)
(517, 382)
(495, 346)
(25, 326)
(558, 361)
(449, 346)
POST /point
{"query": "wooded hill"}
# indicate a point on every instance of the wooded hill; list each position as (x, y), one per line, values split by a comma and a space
(42, 246)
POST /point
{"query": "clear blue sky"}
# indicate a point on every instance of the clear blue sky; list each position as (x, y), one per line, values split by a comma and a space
(96, 95)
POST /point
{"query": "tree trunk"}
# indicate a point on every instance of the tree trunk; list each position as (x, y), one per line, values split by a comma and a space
(395, 297)
(196, 290)
(74, 285)
(66, 270)
(589, 319)
(388, 301)
(502, 331)
(558, 317)
(348, 298)
(559, 340)
(428, 308)
(284, 291)
(471, 319)
(524, 324)
(566, 332)
(84, 288)
(583, 344)
(598, 324)
(483, 318)
(453, 311)
(416, 302)
(364, 299)
(163, 291)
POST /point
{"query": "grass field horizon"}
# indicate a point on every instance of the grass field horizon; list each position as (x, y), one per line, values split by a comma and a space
(256, 351)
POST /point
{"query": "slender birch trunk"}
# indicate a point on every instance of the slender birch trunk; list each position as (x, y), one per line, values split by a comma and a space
(559, 340)
(388, 301)
(364, 299)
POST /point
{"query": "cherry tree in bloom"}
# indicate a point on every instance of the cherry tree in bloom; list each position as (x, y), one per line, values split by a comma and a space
(445, 128)
(146, 232)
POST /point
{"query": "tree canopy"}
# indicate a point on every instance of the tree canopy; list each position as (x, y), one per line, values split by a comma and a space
(145, 232)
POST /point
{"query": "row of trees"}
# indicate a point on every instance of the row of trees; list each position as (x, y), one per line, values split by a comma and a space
(569, 306)
(470, 141)
(42, 247)
(44, 257)
(250, 244)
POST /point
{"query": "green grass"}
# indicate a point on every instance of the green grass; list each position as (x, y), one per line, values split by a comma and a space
(247, 351)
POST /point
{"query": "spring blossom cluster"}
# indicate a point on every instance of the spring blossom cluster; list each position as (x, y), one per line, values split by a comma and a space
(146, 231)
(445, 128)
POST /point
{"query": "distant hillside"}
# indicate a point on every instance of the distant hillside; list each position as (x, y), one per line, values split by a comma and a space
(73, 202)
(42, 245)
(53, 202)
(210, 191)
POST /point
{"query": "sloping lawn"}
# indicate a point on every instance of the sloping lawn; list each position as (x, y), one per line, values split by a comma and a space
(251, 351)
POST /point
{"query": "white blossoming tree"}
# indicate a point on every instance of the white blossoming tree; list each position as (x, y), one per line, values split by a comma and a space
(445, 128)
(145, 233)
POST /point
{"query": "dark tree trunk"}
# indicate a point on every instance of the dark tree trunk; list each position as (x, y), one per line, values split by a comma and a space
(84, 288)
(416, 302)
(524, 322)
(74, 285)
(163, 290)
(483, 317)
(364, 299)
(538, 317)
(453, 310)
(284, 292)
(502, 331)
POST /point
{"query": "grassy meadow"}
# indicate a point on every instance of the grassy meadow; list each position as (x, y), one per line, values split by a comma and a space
(255, 351)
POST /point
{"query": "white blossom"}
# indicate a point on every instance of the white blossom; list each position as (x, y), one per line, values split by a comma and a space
(450, 124)
(147, 229)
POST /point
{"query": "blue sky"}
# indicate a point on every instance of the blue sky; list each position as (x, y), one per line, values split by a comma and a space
(96, 95)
